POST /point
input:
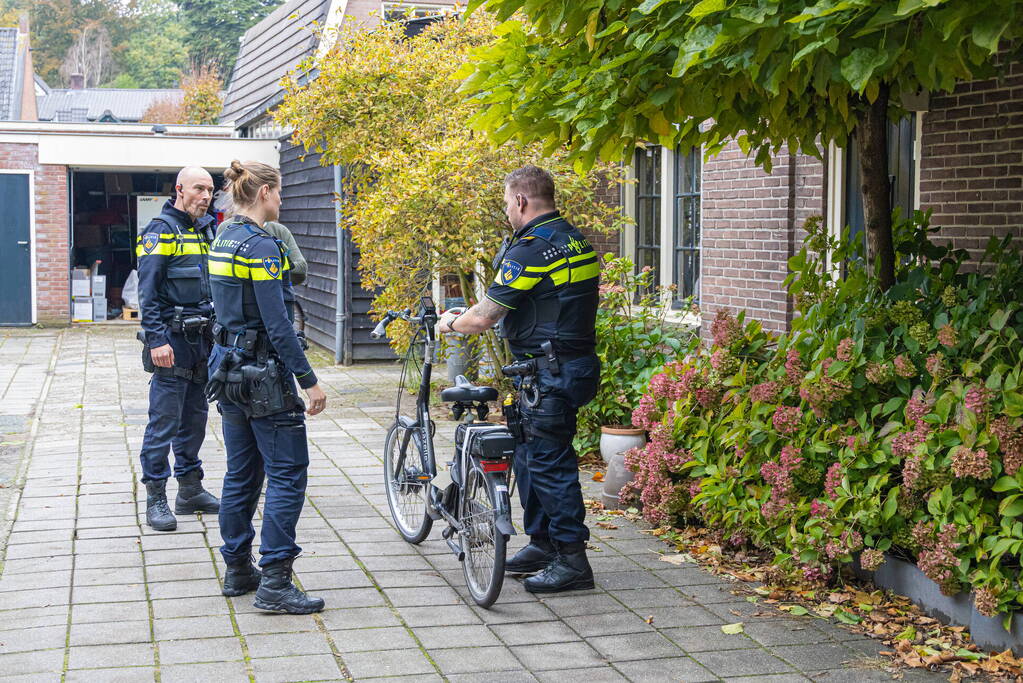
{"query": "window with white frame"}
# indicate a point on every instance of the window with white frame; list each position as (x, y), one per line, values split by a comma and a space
(397, 11)
(648, 210)
(664, 202)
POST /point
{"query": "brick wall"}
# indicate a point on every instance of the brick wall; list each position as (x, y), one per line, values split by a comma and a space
(752, 224)
(52, 247)
(971, 171)
(607, 242)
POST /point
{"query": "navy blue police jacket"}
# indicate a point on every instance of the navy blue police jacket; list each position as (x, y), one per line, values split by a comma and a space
(548, 280)
(172, 271)
(250, 279)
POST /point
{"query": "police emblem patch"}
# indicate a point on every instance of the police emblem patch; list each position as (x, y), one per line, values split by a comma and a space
(510, 270)
(272, 265)
(149, 242)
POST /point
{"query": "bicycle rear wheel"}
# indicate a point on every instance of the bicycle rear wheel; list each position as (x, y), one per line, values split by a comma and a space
(483, 544)
(407, 496)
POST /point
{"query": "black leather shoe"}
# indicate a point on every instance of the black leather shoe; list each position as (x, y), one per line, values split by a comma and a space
(158, 514)
(570, 571)
(192, 497)
(277, 593)
(533, 558)
(240, 579)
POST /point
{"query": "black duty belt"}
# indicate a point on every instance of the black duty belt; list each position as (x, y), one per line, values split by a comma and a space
(199, 374)
(530, 366)
(252, 342)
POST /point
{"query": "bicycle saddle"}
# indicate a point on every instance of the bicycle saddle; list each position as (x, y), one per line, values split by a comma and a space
(465, 391)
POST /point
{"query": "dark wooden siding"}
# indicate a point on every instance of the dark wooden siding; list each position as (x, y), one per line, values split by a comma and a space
(308, 210)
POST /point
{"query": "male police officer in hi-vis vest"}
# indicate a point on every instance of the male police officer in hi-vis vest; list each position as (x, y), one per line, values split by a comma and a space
(176, 312)
(545, 296)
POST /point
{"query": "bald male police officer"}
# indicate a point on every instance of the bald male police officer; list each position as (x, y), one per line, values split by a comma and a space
(546, 291)
(176, 312)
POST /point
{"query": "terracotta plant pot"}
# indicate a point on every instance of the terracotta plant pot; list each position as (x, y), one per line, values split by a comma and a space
(614, 442)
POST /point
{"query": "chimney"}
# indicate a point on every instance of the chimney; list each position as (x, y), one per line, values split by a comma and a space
(77, 82)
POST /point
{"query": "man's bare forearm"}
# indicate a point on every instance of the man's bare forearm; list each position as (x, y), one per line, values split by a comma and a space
(480, 317)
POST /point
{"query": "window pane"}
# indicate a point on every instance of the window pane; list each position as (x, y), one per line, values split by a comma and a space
(648, 206)
(686, 221)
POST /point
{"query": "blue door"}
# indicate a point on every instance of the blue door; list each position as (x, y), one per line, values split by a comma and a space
(15, 245)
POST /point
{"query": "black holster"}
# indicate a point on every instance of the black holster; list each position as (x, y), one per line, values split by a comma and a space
(270, 388)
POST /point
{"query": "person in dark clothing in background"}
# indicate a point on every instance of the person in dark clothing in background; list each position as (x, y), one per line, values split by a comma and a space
(299, 267)
(254, 364)
(176, 311)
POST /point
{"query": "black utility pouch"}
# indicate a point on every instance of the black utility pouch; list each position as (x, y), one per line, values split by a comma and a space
(513, 419)
(147, 359)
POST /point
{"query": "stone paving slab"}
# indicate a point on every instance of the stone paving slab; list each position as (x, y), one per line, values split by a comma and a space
(89, 593)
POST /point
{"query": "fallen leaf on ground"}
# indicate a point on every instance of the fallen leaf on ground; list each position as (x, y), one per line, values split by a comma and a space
(598, 476)
(732, 629)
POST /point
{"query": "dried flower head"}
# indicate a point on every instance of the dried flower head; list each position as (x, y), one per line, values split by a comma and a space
(871, 559)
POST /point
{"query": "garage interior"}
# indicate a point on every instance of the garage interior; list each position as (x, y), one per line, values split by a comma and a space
(106, 209)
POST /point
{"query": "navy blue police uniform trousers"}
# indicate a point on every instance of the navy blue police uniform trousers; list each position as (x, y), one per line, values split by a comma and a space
(271, 449)
(177, 415)
(546, 465)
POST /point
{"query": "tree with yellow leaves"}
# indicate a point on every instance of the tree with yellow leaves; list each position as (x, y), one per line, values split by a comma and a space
(424, 193)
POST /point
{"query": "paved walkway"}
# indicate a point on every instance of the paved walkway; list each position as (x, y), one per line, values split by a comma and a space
(89, 593)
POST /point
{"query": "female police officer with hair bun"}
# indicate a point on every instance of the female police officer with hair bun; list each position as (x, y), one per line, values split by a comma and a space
(256, 356)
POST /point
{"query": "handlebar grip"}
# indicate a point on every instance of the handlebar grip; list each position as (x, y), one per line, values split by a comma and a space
(381, 327)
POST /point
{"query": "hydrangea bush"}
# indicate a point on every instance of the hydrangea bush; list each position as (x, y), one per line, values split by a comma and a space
(884, 421)
(633, 342)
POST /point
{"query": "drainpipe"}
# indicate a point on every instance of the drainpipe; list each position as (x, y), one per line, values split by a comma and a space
(341, 301)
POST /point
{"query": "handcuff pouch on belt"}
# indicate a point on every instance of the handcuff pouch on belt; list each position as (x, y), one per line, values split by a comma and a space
(251, 376)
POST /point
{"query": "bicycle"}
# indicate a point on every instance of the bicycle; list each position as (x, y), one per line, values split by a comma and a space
(476, 504)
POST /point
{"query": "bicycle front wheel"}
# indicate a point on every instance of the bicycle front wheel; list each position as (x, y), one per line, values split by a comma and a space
(482, 543)
(407, 494)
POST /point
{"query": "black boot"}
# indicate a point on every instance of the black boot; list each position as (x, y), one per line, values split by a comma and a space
(278, 594)
(534, 557)
(569, 571)
(240, 579)
(192, 497)
(158, 514)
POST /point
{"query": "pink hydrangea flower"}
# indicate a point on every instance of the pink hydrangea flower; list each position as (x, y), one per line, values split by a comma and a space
(765, 392)
(845, 349)
(832, 480)
(794, 370)
(725, 329)
(976, 399)
(948, 336)
(1010, 443)
(970, 463)
(786, 419)
(904, 366)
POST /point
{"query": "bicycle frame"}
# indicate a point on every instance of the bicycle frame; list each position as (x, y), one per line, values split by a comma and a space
(422, 428)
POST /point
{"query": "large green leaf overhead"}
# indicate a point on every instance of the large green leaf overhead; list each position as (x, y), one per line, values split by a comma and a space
(599, 75)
